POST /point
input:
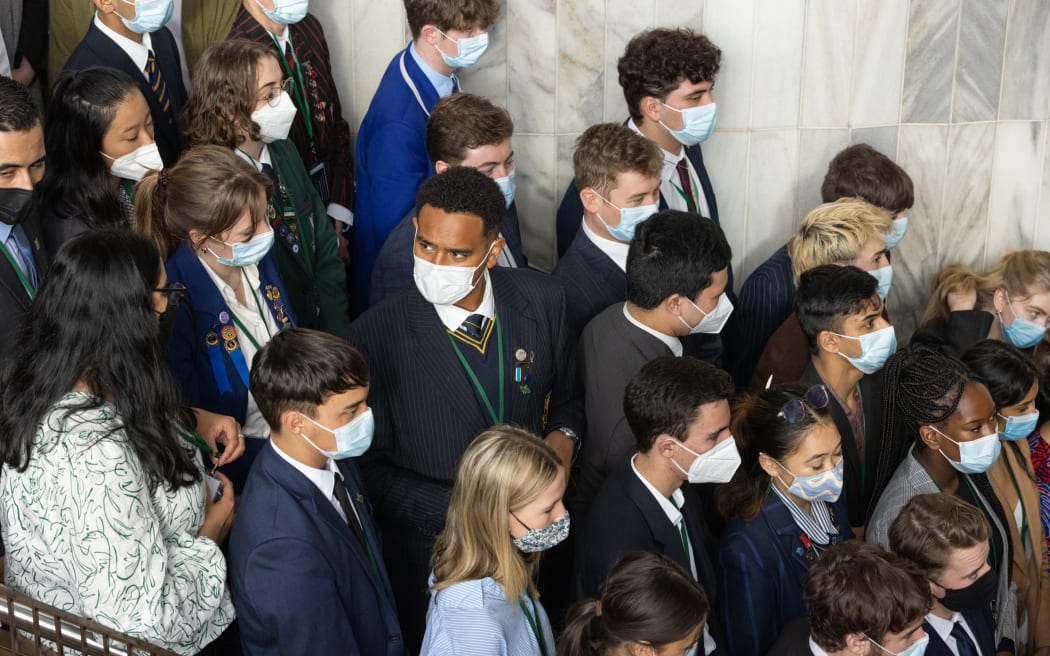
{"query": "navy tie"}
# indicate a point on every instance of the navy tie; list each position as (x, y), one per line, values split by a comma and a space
(963, 643)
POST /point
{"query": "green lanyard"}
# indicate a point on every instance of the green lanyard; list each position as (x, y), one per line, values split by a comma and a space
(533, 619)
(300, 90)
(196, 440)
(681, 531)
(977, 501)
(688, 201)
(1020, 500)
(18, 271)
(258, 307)
(497, 419)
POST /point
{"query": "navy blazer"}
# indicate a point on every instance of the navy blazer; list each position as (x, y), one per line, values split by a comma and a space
(981, 624)
(592, 281)
(97, 49)
(394, 264)
(762, 568)
(302, 582)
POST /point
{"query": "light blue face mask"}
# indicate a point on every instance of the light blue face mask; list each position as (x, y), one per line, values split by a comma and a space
(630, 219)
(150, 15)
(825, 486)
(697, 123)
(247, 253)
(975, 456)
(508, 187)
(900, 228)
(875, 348)
(468, 50)
(1022, 333)
(1019, 427)
(917, 648)
(286, 12)
(885, 277)
(351, 439)
(541, 539)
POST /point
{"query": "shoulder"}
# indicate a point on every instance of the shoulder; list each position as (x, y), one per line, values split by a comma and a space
(476, 595)
(526, 279)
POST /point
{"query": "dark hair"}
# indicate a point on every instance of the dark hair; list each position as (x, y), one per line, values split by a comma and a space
(665, 396)
(77, 181)
(1005, 371)
(856, 587)
(759, 428)
(450, 14)
(930, 526)
(674, 252)
(463, 121)
(647, 597)
(17, 111)
(94, 321)
(299, 369)
(860, 170)
(463, 190)
(656, 61)
(830, 294)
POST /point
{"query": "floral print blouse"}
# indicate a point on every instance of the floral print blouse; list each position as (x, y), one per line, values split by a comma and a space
(1041, 462)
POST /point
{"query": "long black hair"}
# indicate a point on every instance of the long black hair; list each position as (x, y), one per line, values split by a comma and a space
(77, 181)
(94, 321)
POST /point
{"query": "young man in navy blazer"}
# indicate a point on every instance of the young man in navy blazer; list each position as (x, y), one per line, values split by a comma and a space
(305, 558)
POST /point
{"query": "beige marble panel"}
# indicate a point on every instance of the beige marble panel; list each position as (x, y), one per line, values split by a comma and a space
(730, 25)
(536, 200)
(816, 148)
(882, 139)
(337, 19)
(777, 76)
(680, 13)
(979, 61)
(532, 64)
(379, 32)
(878, 62)
(488, 78)
(965, 225)
(581, 59)
(772, 181)
(827, 67)
(1026, 71)
(726, 159)
(933, 29)
(628, 18)
(1042, 225)
(1017, 176)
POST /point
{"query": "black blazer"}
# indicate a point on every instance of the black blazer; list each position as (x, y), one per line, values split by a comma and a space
(793, 639)
(857, 496)
(981, 624)
(14, 301)
(625, 517)
(956, 334)
(591, 279)
(97, 49)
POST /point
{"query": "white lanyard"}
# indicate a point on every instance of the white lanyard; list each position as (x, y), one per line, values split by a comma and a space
(412, 85)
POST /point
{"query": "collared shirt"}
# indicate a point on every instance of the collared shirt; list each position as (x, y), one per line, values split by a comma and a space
(6, 232)
(137, 52)
(614, 250)
(284, 39)
(671, 341)
(855, 417)
(944, 627)
(264, 157)
(815, 648)
(453, 316)
(260, 327)
(443, 84)
(324, 479)
(816, 524)
(670, 183)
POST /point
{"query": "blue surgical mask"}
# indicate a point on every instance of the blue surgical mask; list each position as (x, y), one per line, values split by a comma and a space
(630, 219)
(150, 15)
(351, 439)
(507, 186)
(697, 123)
(975, 456)
(1020, 427)
(900, 228)
(917, 648)
(286, 12)
(247, 253)
(468, 50)
(541, 539)
(825, 486)
(875, 348)
(1022, 333)
(885, 277)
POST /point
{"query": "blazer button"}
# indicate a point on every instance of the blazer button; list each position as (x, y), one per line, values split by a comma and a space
(393, 637)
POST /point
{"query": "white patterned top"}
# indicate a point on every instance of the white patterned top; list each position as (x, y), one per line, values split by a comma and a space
(83, 534)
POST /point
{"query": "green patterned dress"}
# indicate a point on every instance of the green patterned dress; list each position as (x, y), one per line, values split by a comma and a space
(84, 534)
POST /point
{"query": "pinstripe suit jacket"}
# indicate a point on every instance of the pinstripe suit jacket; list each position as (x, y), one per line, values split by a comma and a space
(427, 412)
(592, 281)
(765, 301)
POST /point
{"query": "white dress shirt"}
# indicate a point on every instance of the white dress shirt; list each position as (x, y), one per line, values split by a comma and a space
(138, 52)
(670, 183)
(453, 317)
(324, 479)
(614, 250)
(944, 627)
(672, 342)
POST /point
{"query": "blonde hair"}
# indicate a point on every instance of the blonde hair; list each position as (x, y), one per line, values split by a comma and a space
(606, 150)
(1022, 274)
(836, 232)
(208, 190)
(504, 469)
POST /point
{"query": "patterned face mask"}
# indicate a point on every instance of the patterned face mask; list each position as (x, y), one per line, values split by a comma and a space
(541, 539)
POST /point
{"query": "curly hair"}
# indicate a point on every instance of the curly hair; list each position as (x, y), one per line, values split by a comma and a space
(224, 94)
(463, 190)
(656, 61)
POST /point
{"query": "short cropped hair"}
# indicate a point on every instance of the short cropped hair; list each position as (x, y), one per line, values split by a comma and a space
(17, 111)
(930, 526)
(450, 14)
(656, 61)
(674, 252)
(300, 369)
(606, 150)
(856, 587)
(864, 172)
(830, 294)
(463, 121)
(463, 190)
(836, 232)
(665, 396)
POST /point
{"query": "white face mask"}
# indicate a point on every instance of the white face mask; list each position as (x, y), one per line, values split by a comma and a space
(714, 320)
(445, 284)
(715, 466)
(275, 122)
(137, 163)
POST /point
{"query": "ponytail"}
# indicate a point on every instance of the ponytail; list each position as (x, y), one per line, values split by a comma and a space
(953, 278)
(583, 635)
(151, 196)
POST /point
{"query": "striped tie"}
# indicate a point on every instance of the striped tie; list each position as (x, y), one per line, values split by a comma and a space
(474, 331)
(160, 90)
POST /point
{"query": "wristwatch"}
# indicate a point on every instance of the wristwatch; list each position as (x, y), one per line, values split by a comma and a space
(576, 441)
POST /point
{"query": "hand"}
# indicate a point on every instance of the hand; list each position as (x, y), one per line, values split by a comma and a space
(960, 300)
(219, 429)
(218, 515)
(344, 245)
(24, 74)
(563, 445)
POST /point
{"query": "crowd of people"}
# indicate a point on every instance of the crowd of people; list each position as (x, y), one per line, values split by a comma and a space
(262, 396)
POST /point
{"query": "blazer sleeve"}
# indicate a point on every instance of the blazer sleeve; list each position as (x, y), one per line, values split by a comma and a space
(340, 165)
(757, 318)
(329, 270)
(566, 403)
(181, 351)
(570, 215)
(398, 160)
(747, 594)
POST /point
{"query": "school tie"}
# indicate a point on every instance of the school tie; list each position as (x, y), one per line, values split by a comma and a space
(269, 172)
(343, 497)
(963, 644)
(687, 185)
(160, 90)
(19, 248)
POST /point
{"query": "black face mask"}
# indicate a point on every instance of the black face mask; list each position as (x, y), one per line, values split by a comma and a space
(166, 322)
(15, 205)
(979, 594)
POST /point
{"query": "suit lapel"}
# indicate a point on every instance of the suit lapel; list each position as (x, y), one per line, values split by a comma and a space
(781, 524)
(696, 158)
(663, 531)
(519, 332)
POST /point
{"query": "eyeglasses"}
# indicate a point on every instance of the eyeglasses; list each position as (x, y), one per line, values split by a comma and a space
(175, 292)
(274, 96)
(794, 410)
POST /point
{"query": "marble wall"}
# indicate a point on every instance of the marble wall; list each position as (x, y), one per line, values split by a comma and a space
(958, 91)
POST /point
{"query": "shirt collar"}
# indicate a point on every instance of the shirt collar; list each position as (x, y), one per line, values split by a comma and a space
(324, 479)
(669, 157)
(283, 40)
(614, 250)
(137, 52)
(453, 316)
(674, 515)
(251, 271)
(264, 157)
(671, 341)
(443, 84)
(817, 524)
(5, 232)
(943, 627)
(815, 648)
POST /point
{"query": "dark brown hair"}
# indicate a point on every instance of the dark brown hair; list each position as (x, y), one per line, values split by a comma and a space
(930, 526)
(862, 171)
(450, 14)
(224, 94)
(657, 61)
(464, 121)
